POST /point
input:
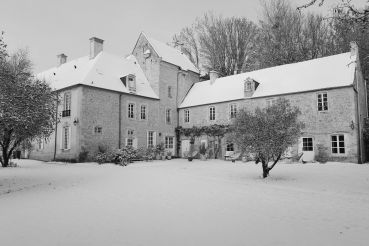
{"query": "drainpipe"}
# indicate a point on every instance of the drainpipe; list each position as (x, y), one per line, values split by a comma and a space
(56, 124)
(177, 137)
(120, 121)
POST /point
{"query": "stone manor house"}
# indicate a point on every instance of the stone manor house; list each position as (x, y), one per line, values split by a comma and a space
(139, 100)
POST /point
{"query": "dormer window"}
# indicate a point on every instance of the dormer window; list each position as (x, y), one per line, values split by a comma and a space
(248, 86)
(129, 81)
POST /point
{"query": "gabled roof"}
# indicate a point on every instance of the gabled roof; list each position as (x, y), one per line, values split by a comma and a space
(322, 73)
(104, 71)
(171, 55)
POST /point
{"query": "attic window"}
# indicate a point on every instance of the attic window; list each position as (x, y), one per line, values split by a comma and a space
(248, 86)
(130, 82)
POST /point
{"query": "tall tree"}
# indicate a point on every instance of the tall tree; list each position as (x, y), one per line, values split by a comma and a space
(27, 105)
(287, 36)
(267, 132)
(215, 42)
(3, 52)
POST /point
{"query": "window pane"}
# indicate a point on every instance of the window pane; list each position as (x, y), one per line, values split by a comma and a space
(342, 150)
(334, 150)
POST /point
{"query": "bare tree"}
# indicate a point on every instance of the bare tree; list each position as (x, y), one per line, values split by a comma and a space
(214, 42)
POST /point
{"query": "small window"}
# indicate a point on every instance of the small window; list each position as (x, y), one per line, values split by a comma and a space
(233, 111)
(143, 112)
(169, 91)
(129, 142)
(169, 142)
(98, 129)
(66, 138)
(212, 113)
(66, 104)
(248, 86)
(130, 132)
(338, 144)
(307, 144)
(132, 83)
(271, 102)
(187, 116)
(150, 139)
(230, 147)
(168, 116)
(131, 110)
(323, 101)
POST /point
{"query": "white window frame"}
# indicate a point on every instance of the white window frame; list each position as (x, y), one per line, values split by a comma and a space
(271, 101)
(66, 138)
(248, 86)
(233, 108)
(169, 142)
(67, 101)
(186, 116)
(321, 102)
(131, 110)
(338, 146)
(151, 138)
(307, 145)
(143, 112)
(212, 113)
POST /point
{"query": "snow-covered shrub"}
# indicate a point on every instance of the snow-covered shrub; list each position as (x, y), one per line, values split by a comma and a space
(124, 155)
(322, 155)
(149, 154)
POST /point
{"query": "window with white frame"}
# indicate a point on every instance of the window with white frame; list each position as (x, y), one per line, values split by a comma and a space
(270, 102)
(131, 110)
(130, 137)
(169, 142)
(186, 116)
(150, 138)
(248, 86)
(212, 113)
(307, 144)
(143, 112)
(131, 83)
(168, 116)
(338, 144)
(323, 101)
(66, 137)
(233, 111)
(66, 104)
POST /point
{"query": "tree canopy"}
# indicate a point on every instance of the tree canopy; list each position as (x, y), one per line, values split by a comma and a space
(27, 105)
(267, 132)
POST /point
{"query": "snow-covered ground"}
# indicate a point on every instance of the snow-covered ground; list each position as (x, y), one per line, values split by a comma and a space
(181, 203)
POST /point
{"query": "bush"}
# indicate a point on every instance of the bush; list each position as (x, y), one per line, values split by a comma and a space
(322, 155)
(83, 155)
(105, 157)
(124, 155)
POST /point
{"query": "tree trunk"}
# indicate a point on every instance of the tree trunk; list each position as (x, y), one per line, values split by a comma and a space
(5, 159)
(265, 170)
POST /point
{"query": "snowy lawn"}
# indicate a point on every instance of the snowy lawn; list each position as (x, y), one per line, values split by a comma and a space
(182, 203)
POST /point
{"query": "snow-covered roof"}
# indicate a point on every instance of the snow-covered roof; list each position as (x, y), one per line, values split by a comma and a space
(325, 72)
(104, 71)
(172, 55)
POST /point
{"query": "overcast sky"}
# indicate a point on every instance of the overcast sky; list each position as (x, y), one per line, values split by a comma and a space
(50, 27)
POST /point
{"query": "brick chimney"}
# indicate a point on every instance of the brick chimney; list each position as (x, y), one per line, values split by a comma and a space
(213, 76)
(96, 46)
(62, 58)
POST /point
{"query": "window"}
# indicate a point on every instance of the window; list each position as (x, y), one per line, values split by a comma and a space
(338, 144)
(143, 112)
(322, 101)
(169, 91)
(130, 132)
(168, 118)
(150, 139)
(66, 137)
(307, 144)
(212, 113)
(131, 110)
(169, 142)
(129, 142)
(66, 104)
(98, 129)
(271, 102)
(248, 86)
(132, 83)
(233, 111)
(230, 147)
(40, 144)
(187, 116)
